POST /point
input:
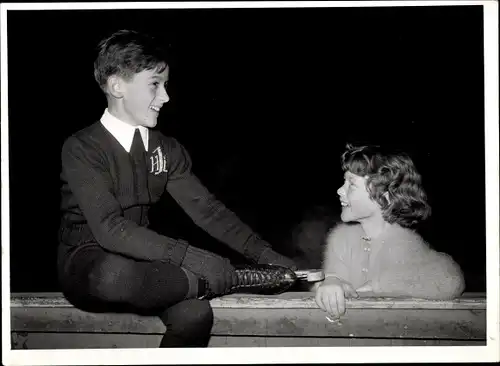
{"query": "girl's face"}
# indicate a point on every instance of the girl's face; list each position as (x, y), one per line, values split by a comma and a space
(355, 199)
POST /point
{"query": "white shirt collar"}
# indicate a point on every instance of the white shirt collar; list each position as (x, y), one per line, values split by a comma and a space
(122, 131)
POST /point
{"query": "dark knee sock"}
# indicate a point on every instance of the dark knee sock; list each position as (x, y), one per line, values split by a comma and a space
(188, 323)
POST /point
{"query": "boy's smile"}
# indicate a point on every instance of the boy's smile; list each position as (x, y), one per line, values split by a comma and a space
(138, 101)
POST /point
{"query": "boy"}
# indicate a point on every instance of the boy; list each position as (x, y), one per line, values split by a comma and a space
(112, 171)
(375, 252)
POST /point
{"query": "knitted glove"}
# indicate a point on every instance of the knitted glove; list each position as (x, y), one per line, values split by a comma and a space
(216, 270)
(269, 256)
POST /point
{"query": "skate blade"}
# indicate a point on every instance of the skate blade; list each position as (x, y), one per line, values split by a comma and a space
(310, 275)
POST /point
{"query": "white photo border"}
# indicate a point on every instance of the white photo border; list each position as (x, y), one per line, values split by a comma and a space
(274, 354)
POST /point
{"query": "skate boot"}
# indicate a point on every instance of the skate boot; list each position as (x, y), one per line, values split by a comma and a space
(262, 279)
(265, 279)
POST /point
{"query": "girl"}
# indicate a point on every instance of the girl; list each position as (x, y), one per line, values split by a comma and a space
(375, 251)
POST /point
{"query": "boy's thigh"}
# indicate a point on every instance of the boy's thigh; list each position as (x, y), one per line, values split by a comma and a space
(97, 280)
(100, 281)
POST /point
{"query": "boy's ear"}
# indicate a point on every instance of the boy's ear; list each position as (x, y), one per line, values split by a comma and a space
(386, 196)
(115, 86)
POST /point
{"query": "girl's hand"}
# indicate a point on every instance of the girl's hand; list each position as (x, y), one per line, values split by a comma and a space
(331, 295)
(367, 287)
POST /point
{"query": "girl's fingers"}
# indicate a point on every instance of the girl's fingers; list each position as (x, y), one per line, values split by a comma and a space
(350, 291)
(340, 304)
(319, 300)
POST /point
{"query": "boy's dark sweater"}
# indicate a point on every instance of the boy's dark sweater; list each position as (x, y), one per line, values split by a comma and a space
(102, 204)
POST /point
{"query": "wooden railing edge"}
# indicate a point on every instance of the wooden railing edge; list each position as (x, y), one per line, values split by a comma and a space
(289, 300)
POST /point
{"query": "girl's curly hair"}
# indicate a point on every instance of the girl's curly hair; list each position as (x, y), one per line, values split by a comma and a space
(392, 181)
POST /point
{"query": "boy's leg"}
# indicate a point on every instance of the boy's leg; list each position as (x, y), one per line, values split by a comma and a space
(188, 323)
(96, 279)
(99, 281)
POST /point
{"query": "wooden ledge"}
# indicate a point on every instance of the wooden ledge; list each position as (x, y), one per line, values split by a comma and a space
(289, 300)
(48, 320)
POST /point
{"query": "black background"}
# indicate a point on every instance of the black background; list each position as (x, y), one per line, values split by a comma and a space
(265, 101)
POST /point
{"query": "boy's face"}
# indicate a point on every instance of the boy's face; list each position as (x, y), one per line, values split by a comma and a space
(142, 97)
(355, 199)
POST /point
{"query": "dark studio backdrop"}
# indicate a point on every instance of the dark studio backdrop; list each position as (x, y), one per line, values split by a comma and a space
(265, 101)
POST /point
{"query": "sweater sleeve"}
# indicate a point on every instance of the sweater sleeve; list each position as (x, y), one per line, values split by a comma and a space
(205, 210)
(91, 184)
(336, 258)
(431, 275)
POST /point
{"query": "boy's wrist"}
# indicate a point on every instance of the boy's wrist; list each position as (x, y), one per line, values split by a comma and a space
(269, 256)
(175, 253)
(254, 248)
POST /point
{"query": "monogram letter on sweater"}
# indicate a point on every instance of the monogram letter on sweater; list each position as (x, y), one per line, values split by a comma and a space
(158, 162)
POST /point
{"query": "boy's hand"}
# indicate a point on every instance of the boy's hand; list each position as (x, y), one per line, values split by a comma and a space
(269, 256)
(331, 295)
(217, 270)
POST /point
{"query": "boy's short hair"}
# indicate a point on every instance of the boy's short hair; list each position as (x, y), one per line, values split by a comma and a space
(392, 172)
(126, 53)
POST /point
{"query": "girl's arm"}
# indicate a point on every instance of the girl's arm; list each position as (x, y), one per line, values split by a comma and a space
(336, 256)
